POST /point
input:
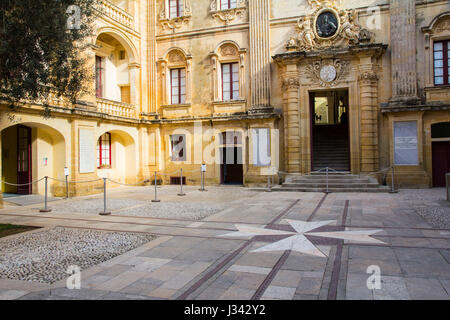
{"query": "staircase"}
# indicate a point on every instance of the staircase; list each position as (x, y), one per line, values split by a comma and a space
(331, 148)
(337, 182)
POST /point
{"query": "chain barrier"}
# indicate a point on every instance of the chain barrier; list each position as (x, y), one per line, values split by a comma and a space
(22, 184)
(75, 182)
(105, 181)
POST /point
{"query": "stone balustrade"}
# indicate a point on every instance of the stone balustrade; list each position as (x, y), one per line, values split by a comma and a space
(116, 108)
(117, 14)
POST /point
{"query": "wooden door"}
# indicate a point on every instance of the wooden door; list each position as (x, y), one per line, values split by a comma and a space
(441, 162)
(24, 174)
(232, 170)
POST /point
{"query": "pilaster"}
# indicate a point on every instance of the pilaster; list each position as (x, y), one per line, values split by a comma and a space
(403, 50)
(368, 87)
(291, 86)
(259, 14)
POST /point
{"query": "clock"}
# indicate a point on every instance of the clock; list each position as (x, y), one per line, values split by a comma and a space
(327, 24)
(328, 73)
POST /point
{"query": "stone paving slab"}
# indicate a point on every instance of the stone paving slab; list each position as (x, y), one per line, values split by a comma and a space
(193, 258)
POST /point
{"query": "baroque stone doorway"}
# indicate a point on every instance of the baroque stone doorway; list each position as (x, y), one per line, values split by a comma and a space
(330, 141)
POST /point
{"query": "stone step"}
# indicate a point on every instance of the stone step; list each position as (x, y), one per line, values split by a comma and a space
(380, 189)
(334, 180)
(331, 185)
(327, 157)
(337, 182)
(342, 174)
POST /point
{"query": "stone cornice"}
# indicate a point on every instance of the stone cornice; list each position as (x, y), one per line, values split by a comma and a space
(99, 116)
(376, 49)
(399, 107)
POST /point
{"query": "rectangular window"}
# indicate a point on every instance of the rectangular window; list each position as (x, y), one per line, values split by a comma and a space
(104, 151)
(175, 8)
(178, 86)
(261, 147)
(406, 150)
(230, 81)
(178, 147)
(441, 54)
(227, 4)
(98, 77)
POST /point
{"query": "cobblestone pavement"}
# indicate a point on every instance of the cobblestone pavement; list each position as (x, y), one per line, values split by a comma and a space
(232, 243)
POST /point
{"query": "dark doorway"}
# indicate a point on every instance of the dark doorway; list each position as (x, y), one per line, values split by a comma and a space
(441, 162)
(24, 175)
(232, 170)
(330, 130)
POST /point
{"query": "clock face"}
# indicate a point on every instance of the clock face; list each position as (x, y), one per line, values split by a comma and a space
(328, 73)
(327, 25)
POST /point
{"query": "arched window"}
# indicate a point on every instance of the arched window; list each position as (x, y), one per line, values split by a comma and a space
(104, 151)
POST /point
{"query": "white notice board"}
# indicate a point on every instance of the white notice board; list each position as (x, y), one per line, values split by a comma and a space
(87, 151)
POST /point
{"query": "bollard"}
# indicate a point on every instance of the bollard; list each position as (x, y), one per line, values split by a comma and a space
(67, 187)
(202, 188)
(104, 213)
(328, 189)
(447, 180)
(203, 171)
(46, 208)
(181, 194)
(156, 189)
(393, 182)
(269, 186)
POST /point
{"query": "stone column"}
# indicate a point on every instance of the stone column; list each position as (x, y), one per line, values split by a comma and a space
(152, 56)
(368, 86)
(291, 88)
(403, 50)
(259, 14)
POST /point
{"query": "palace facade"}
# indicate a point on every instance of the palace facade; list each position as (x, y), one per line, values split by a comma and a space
(250, 88)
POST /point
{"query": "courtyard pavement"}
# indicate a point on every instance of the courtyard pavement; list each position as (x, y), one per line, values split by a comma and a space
(233, 243)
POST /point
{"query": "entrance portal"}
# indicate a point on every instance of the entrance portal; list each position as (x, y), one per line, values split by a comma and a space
(440, 133)
(16, 159)
(330, 130)
(231, 155)
(232, 170)
(441, 162)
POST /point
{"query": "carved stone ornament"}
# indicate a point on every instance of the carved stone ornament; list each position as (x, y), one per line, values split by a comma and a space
(228, 15)
(328, 72)
(291, 83)
(368, 77)
(174, 24)
(329, 26)
(176, 57)
(443, 26)
(229, 51)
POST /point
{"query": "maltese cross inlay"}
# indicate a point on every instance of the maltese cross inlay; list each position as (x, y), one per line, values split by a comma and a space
(302, 237)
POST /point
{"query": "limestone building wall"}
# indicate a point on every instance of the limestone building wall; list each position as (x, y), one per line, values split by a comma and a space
(276, 74)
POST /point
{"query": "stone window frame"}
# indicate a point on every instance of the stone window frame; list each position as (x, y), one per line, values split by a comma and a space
(175, 23)
(175, 58)
(227, 15)
(220, 56)
(438, 30)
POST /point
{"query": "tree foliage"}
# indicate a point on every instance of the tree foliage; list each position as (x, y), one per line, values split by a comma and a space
(41, 50)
